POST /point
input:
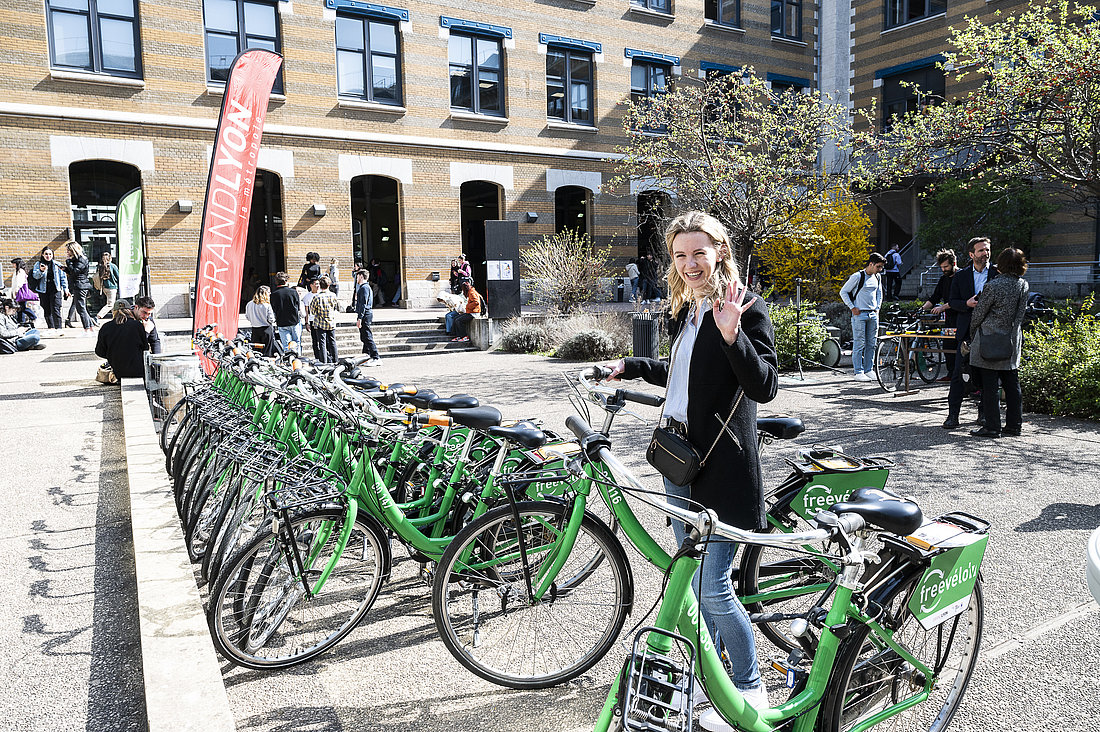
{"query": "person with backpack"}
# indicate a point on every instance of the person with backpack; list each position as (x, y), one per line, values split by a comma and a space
(863, 294)
(893, 273)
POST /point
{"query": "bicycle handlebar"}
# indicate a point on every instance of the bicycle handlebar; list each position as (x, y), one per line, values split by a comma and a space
(599, 373)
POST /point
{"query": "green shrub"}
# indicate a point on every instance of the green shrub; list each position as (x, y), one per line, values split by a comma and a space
(1060, 365)
(587, 345)
(784, 318)
(522, 338)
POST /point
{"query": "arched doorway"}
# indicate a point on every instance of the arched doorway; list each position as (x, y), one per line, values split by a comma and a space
(264, 253)
(571, 209)
(376, 227)
(652, 206)
(95, 188)
(480, 202)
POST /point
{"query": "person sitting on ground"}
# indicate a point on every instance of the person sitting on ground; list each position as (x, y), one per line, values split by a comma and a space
(462, 320)
(322, 318)
(13, 338)
(124, 340)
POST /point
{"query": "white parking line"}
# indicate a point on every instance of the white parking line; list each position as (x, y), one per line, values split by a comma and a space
(1010, 644)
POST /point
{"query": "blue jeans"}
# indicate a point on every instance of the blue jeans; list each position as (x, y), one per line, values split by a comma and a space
(291, 334)
(449, 321)
(727, 621)
(28, 340)
(864, 340)
(633, 288)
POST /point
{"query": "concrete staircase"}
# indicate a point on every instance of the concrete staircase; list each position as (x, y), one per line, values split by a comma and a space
(911, 287)
(412, 337)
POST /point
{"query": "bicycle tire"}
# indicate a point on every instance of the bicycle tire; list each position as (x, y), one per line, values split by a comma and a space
(887, 369)
(205, 509)
(259, 615)
(870, 677)
(928, 365)
(523, 644)
(775, 571)
(173, 423)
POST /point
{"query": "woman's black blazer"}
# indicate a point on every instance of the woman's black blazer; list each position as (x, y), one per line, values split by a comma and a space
(730, 482)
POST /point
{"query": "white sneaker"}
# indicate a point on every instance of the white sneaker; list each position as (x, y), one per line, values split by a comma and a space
(865, 376)
(712, 721)
(374, 362)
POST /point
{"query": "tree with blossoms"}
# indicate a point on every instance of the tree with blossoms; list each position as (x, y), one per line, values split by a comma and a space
(746, 153)
(1028, 106)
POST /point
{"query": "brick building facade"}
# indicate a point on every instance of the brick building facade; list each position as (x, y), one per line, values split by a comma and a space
(393, 130)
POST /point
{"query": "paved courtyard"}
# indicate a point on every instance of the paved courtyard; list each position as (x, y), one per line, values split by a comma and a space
(71, 635)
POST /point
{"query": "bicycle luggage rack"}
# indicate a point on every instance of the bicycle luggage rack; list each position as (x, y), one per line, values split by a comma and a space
(266, 454)
(303, 481)
(656, 690)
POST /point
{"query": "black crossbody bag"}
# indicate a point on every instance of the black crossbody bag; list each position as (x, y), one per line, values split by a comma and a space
(673, 455)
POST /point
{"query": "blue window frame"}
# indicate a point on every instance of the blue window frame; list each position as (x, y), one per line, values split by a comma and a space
(235, 25)
(899, 97)
(100, 36)
(570, 79)
(902, 12)
(787, 19)
(723, 12)
(477, 73)
(368, 60)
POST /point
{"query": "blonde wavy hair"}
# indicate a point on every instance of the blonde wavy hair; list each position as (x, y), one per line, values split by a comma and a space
(74, 248)
(725, 272)
(262, 295)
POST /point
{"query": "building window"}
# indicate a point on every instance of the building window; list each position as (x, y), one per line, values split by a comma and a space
(647, 80)
(235, 25)
(900, 12)
(787, 19)
(476, 74)
(660, 6)
(100, 36)
(367, 59)
(569, 85)
(899, 98)
(723, 12)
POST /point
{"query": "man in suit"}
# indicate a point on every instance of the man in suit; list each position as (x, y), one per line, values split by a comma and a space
(966, 285)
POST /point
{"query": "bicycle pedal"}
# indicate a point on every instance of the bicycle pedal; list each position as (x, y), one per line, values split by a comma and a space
(792, 676)
(656, 690)
(426, 574)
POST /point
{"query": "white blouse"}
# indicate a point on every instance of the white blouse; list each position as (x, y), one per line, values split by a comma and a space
(676, 390)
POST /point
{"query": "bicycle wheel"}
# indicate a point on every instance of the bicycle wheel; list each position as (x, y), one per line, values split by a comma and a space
(928, 365)
(260, 614)
(774, 580)
(888, 365)
(484, 612)
(870, 677)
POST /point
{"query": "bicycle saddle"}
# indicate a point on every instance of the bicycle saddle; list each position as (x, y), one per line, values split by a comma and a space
(480, 418)
(420, 400)
(455, 401)
(369, 384)
(526, 436)
(883, 509)
(780, 426)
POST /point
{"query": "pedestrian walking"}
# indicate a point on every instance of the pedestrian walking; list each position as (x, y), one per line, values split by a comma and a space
(49, 281)
(364, 317)
(108, 283)
(77, 270)
(996, 335)
(893, 273)
(288, 317)
(261, 317)
(322, 318)
(863, 294)
(633, 275)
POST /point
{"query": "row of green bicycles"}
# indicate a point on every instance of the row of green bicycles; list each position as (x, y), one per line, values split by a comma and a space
(295, 482)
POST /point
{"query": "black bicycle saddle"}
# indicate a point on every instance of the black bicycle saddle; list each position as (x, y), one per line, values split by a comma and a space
(883, 509)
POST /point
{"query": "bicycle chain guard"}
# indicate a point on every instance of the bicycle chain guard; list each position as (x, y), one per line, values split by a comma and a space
(656, 690)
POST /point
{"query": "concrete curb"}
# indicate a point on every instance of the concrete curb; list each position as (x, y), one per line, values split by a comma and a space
(183, 680)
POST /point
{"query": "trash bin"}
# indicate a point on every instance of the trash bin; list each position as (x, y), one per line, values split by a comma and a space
(645, 334)
(619, 290)
(165, 376)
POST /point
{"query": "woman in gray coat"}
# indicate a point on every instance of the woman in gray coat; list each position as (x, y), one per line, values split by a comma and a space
(1000, 310)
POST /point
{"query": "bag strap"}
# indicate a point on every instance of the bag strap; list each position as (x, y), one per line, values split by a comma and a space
(736, 404)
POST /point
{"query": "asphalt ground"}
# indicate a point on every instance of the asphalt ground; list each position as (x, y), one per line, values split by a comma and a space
(70, 647)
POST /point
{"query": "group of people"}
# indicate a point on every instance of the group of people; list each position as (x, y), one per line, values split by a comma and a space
(644, 273)
(277, 316)
(47, 283)
(982, 302)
